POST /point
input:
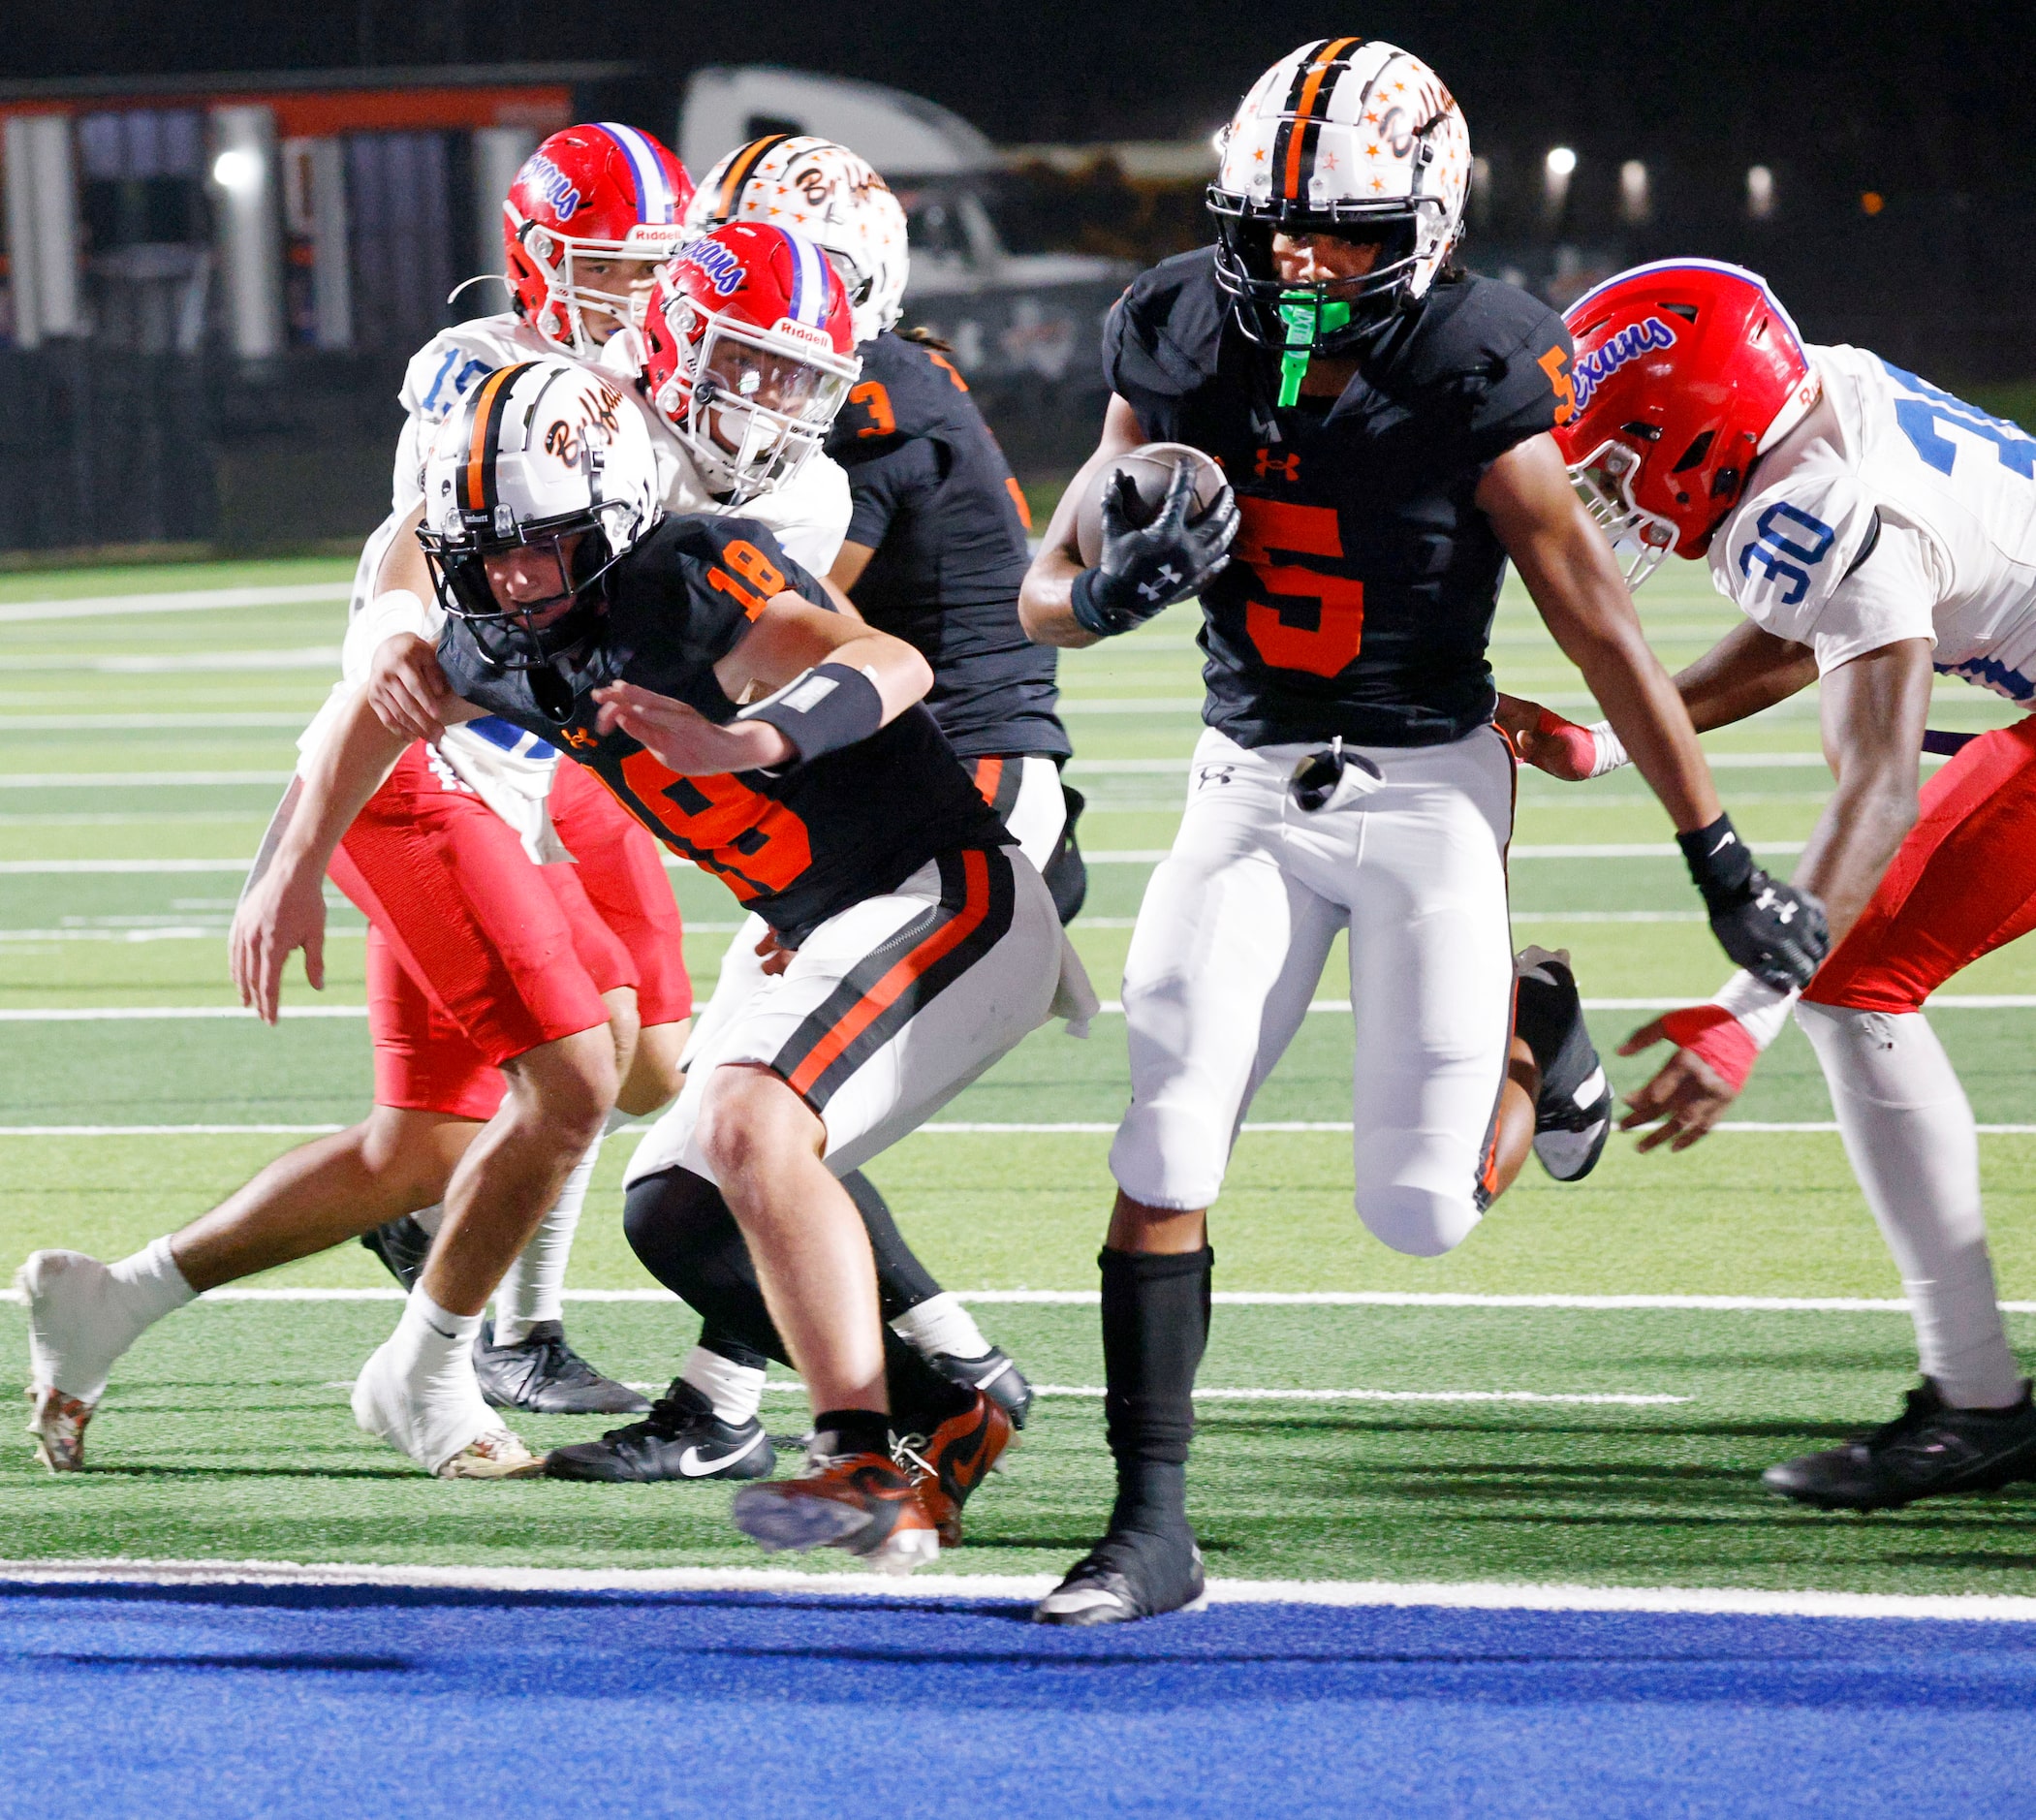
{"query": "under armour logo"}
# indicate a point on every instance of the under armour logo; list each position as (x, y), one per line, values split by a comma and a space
(579, 739)
(1286, 467)
(1215, 774)
(1165, 581)
(1784, 912)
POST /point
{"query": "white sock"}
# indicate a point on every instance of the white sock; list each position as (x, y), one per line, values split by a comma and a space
(736, 1390)
(150, 1284)
(432, 1354)
(533, 1288)
(1909, 1132)
(941, 1324)
(431, 1217)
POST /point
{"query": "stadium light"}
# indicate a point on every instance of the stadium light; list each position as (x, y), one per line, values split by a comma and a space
(1760, 192)
(1556, 179)
(238, 171)
(1634, 200)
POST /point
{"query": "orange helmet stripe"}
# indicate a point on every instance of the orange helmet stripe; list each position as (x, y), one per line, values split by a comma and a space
(740, 167)
(1310, 93)
(476, 499)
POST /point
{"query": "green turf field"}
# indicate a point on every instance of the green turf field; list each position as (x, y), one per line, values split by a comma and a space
(139, 754)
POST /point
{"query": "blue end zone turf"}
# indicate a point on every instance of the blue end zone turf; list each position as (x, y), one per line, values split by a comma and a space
(376, 1701)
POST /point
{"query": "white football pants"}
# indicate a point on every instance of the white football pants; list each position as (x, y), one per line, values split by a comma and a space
(1233, 936)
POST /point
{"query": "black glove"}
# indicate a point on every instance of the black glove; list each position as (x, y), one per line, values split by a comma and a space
(1145, 569)
(1776, 932)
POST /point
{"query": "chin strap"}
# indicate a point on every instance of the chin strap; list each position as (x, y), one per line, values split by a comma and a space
(1305, 319)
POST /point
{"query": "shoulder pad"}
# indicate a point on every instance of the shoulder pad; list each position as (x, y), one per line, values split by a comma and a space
(455, 360)
(1489, 358)
(1161, 337)
(1784, 549)
(905, 390)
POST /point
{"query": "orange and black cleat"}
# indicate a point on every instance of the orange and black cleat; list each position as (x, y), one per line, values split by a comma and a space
(955, 1459)
(861, 1502)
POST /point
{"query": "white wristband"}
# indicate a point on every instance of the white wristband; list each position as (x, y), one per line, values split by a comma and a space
(1610, 753)
(1761, 1010)
(396, 611)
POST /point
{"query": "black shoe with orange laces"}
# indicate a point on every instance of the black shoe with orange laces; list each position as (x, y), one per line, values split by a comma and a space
(954, 1459)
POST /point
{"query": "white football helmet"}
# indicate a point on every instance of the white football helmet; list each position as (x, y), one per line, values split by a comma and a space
(824, 192)
(1344, 137)
(535, 486)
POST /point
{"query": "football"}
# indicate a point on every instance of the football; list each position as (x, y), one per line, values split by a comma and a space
(1151, 470)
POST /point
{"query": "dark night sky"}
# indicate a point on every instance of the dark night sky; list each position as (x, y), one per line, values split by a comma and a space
(1927, 92)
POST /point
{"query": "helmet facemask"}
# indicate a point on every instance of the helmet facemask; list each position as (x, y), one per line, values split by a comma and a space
(1604, 481)
(571, 299)
(527, 630)
(751, 405)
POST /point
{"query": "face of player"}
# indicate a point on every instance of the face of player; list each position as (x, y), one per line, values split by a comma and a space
(623, 283)
(1311, 259)
(755, 376)
(536, 576)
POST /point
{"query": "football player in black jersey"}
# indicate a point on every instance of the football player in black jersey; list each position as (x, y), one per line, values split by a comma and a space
(935, 554)
(1383, 419)
(919, 951)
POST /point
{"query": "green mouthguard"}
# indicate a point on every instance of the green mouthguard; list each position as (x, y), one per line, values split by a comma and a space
(1303, 316)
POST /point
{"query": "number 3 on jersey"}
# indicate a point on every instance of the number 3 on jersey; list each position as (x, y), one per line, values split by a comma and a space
(1300, 618)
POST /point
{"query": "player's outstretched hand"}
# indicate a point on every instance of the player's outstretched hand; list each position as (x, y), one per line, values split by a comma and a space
(1688, 1095)
(682, 740)
(282, 912)
(1544, 739)
(407, 689)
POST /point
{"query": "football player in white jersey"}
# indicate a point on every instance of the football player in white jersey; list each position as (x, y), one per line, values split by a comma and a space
(1875, 530)
(591, 216)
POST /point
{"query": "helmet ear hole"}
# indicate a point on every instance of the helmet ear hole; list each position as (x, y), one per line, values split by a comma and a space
(1694, 453)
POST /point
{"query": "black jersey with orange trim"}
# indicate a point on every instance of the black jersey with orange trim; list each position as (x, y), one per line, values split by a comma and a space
(1359, 594)
(798, 847)
(934, 498)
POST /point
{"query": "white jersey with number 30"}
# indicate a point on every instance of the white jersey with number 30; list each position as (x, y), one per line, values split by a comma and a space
(1893, 510)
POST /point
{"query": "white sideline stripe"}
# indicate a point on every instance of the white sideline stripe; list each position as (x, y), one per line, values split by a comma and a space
(1236, 1299)
(134, 780)
(931, 1587)
(16, 869)
(187, 601)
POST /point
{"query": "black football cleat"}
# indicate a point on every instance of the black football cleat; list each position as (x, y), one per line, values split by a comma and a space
(544, 1374)
(1130, 1574)
(1928, 1451)
(402, 1245)
(681, 1438)
(994, 1374)
(1573, 1115)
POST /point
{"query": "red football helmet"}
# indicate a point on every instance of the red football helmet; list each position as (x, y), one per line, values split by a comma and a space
(1686, 372)
(608, 194)
(750, 349)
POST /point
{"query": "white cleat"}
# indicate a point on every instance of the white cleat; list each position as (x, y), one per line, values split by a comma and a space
(449, 1430)
(75, 1334)
(499, 1454)
(58, 1424)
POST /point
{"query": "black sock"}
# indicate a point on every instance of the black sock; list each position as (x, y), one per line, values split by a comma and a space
(921, 1398)
(902, 1281)
(1155, 1325)
(852, 1431)
(680, 1229)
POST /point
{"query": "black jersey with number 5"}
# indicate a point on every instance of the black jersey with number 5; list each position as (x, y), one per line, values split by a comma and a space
(1360, 589)
(934, 498)
(796, 847)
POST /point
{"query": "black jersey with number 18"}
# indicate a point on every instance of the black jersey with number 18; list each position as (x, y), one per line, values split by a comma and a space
(1360, 588)
(796, 847)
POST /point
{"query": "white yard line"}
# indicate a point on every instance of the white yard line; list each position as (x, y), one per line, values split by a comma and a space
(1084, 1128)
(187, 601)
(297, 658)
(937, 1588)
(123, 1013)
(134, 780)
(299, 718)
(1234, 1298)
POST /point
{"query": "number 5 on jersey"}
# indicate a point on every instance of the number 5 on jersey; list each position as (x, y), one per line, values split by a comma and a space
(1300, 618)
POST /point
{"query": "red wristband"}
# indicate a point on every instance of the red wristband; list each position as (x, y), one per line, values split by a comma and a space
(1577, 741)
(1714, 1036)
